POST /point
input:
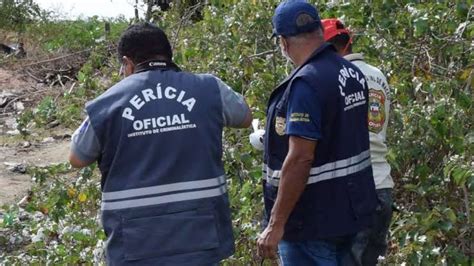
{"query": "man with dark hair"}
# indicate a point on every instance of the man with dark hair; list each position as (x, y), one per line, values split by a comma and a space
(375, 239)
(142, 40)
(318, 188)
(157, 138)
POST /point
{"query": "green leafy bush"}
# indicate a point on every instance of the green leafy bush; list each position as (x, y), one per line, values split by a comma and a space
(59, 225)
(424, 48)
(75, 35)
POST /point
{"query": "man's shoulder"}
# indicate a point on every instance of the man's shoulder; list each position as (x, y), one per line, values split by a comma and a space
(205, 79)
(119, 88)
(368, 69)
(197, 76)
(327, 68)
(320, 67)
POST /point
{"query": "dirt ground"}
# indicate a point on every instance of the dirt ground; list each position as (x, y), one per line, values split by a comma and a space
(14, 185)
(17, 91)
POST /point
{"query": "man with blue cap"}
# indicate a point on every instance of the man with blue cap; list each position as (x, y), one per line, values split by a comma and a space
(318, 185)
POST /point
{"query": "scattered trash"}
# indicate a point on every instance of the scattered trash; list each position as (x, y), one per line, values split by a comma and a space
(22, 203)
(13, 240)
(11, 123)
(39, 236)
(86, 232)
(6, 48)
(18, 50)
(26, 144)
(13, 132)
(16, 167)
(5, 98)
(48, 140)
(52, 124)
(19, 106)
(25, 232)
(71, 229)
(59, 70)
(24, 216)
(38, 216)
(62, 136)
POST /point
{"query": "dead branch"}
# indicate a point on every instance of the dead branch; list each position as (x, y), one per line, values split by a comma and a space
(262, 54)
(72, 88)
(60, 81)
(21, 97)
(58, 70)
(190, 12)
(57, 58)
(34, 77)
(467, 203)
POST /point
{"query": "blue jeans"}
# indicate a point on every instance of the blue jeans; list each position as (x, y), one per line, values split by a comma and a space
(326, 252)
(371, 243)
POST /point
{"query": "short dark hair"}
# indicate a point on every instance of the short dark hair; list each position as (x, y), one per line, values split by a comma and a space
(340, 42)
(144, 41)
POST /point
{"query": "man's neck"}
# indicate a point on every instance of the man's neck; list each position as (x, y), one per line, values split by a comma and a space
(303, 53)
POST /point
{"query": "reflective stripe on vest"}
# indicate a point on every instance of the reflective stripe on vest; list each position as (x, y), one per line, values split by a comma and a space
(127, 198)
(327, 171)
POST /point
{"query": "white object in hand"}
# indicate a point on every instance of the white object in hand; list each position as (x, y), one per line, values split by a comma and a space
(256, 138)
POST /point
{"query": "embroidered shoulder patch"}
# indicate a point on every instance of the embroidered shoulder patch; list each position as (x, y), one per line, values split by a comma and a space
(299, 117)
(376, 110)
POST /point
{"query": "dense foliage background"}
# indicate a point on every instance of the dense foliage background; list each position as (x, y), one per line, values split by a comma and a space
(424, 47)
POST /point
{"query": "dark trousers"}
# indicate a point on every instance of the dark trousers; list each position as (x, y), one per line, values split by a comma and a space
(371, 243)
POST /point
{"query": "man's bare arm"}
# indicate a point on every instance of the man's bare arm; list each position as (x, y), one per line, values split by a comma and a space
(76, 162)
(294, 177)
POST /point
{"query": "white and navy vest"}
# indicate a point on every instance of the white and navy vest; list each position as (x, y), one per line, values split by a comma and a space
(164, 199)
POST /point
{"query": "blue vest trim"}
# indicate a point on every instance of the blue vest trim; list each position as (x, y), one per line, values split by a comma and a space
(201, 189)
(327, 171)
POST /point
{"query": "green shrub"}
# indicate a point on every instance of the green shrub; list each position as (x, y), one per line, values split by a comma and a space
(423, 47)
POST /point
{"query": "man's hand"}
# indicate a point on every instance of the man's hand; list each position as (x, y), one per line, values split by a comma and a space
(295, 172)
(267, 243)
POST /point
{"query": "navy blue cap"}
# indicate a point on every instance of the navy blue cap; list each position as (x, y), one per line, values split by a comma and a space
(293, 17)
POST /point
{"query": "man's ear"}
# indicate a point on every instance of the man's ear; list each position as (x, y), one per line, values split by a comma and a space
(129, 66)
(282, 42)
(286, 47)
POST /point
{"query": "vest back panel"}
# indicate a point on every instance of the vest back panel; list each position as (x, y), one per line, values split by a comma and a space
(164, 198)
(179, 122)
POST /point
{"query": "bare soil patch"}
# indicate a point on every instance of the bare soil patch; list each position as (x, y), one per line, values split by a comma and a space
(19, 91)
(13, 184)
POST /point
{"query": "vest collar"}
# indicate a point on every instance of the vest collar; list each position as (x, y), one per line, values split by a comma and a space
(284, 84)
(354, 57)
(318, 51)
